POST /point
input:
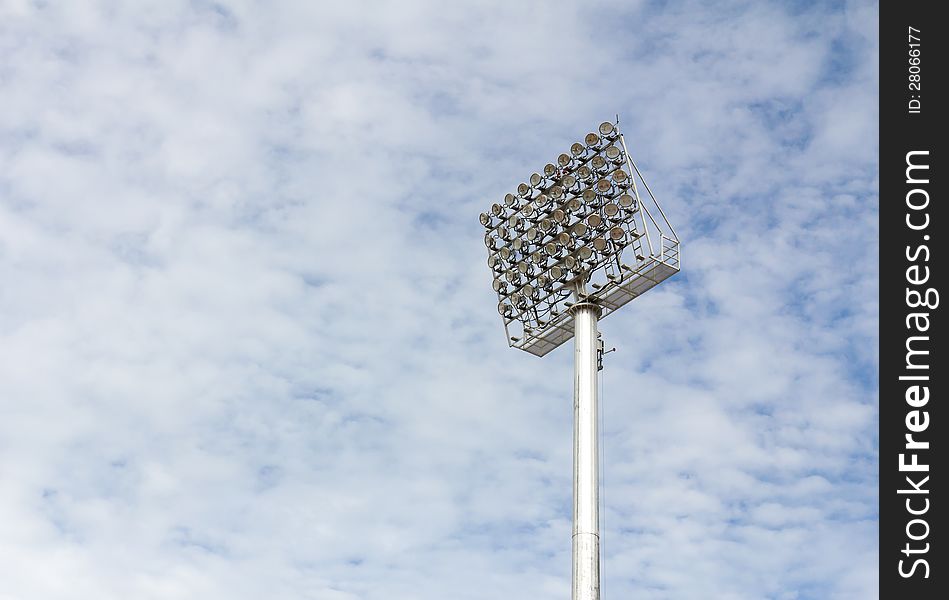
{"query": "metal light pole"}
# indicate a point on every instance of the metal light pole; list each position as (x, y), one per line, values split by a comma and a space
(586, 460)
(579, 230)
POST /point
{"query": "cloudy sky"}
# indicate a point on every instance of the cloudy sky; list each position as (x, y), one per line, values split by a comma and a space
(248, 343)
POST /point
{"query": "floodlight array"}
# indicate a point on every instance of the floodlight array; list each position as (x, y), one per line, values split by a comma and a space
(577, 216)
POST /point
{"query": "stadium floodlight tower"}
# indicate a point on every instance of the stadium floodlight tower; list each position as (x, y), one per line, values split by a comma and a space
(573, 244)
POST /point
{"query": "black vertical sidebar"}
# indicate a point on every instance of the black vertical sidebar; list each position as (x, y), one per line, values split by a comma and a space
(912, 273)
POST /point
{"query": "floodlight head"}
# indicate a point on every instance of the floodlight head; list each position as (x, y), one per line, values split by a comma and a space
(586, 228)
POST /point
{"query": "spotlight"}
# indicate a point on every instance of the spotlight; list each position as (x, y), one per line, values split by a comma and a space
(542, 201)
(599, 244)
(592, 140)
(614, 154)
(550, 170)
(570, 263)
(536, 179)
(589, 196)
(551, 249)
(607, 129)
(499, 286)
(485, 219)
(556, 273)
(504, 253)
(496, 210)
(546, 224)
(532, 234)
(595, 221)
(564, 160)
(564, 239)
(509, 200)
(556, 192)
(577, 149)
(505, 308)
(619, 176)
(617, 234)
(611, 211)
(568, 182)
(598, 163)
(574, 205)
(490, 241)
(626, 201)
(579, 229)
(584, 173)
(528, 210)
(559, 215)
(517, 244)
(603, 186)
(523, 190)
(585, 253)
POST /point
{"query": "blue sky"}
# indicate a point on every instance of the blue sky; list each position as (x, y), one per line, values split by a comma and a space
(249, 343)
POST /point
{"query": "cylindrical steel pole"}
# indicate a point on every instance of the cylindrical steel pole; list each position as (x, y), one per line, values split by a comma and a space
(586, 516)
